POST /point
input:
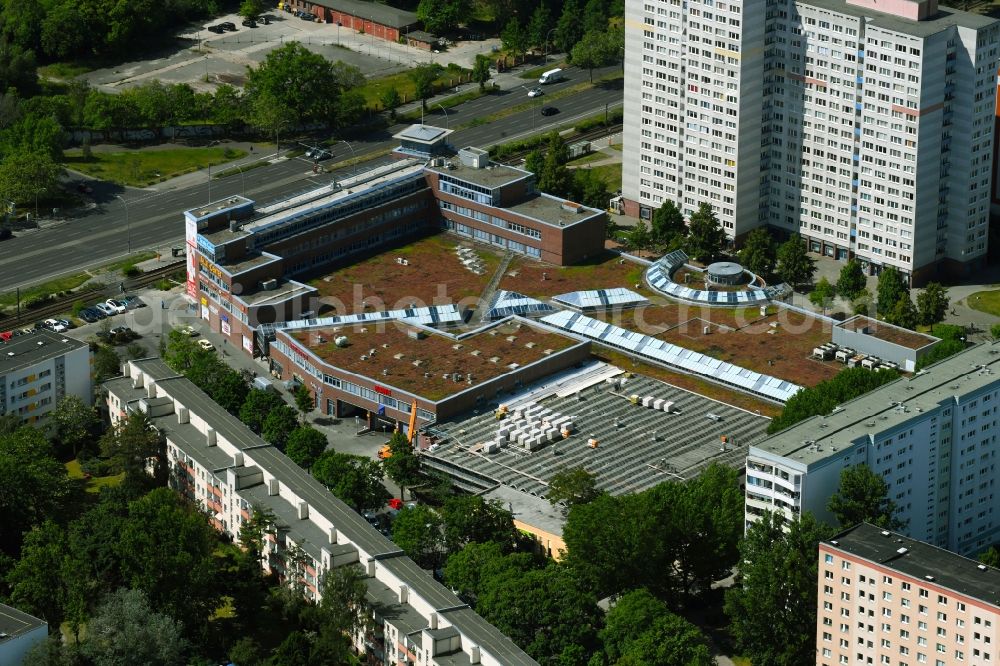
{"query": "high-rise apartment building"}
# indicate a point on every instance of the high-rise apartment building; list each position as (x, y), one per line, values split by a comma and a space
(887, 599)
(865, 127)
(38, 370)
(932, 437)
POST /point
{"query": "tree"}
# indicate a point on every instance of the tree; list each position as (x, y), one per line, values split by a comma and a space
(355, 480)
(481, 71)
(932, 303)
(891, 289)
(852, 280)
(772, 607)
(592, 51)
(258, 404)
(345, 607)
(107, 363)
(514, 38)
(305, 444)
(468, 569)
(639, 238)
(423, 78)
(705, 234)
(442, 15)
(863, 303)
(795, 266)
(135, 447)
(823, 294)
(270, 114)
(595, 17)
(251, 9)
(472, 519)
(904, 313)
(759, 253)
(25, 176)
(539, 25)
(18, 69)
(278, 425)
(127, 631)
(573, 486)
(72, 423)
(403, 466)
(304, 399)
(863, 497)
(417, 531)
(555, 178)
(668, 221)
(569, 28)
(990, 557)
(534, 162)
(640, 629)
(590, 189)
(36, 581)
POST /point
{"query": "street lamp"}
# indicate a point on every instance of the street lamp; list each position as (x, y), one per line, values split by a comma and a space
(546, 57)
(243, 180)
(128, 226)
(446, 121)
(354, 156)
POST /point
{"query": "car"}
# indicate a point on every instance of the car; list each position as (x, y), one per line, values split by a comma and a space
(67, 323)
(217, 29)
(133, 302)
(90, 315)
(5, 233)
(228, 25)
(206, 344)
(307, 16)
(549, 110)
(189, 330)
(117, 306)
(536, 92)
(106, 309)
(249, 23)
(54, 325)
(309, 152)
(321, 155)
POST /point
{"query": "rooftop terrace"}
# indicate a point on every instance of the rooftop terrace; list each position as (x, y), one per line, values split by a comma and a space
(426, 364)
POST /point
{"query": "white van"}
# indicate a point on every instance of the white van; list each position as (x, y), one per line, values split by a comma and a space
(551, 76)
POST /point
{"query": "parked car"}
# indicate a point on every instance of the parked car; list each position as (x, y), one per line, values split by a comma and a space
(309, 152)
(321, 155)
(536, 92)
(249, 23)
(5, 233)
(93, 312)
(116, 305)
(54, 325)
(90, 315)
(106, 309)
(67, 323)
(206, 344)
(549, 110)
(228, 25)
(307, 16)
(133, 302)
(217, 29)
(189, 330)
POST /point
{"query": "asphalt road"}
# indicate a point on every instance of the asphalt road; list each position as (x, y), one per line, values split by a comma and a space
(154, 218)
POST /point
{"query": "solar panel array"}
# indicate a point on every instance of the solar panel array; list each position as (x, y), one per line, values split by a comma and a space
(507, 303)
(428, 316)
(601, 299)
(673, 355)
(658, 276)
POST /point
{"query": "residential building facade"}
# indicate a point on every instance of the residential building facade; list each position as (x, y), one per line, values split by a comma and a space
(884, 598)
(39, 369)
(864, 127)
(218, 463)
(932, 437)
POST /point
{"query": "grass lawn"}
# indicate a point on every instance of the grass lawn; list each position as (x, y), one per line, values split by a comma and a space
(741, 661)
(63, 70)
(611, 174)
(140, 168)
(403, 83)
(985, 301)
(95, 484)
(65, 283)
(586, 159)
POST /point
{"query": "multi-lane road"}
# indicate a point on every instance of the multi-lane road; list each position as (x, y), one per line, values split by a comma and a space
(154, 216)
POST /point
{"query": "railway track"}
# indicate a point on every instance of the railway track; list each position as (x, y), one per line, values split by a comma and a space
(62, 305)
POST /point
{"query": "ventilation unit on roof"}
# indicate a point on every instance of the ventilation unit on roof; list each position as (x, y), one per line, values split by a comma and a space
(834, 542)
(886, 533)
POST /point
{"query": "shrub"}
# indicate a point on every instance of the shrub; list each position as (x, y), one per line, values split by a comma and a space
(230, 154)
(131, 271)
(941, 351)
(995, 331)
(822, 398)
(948, 331)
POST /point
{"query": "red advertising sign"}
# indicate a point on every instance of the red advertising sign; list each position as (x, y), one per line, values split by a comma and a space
(382, 390)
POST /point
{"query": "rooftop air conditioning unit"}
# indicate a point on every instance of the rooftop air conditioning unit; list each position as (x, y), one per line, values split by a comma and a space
(269, 285)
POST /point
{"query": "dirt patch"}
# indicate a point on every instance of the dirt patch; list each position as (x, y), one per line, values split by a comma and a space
(543, 280)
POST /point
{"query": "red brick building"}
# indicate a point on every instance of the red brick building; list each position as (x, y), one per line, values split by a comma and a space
(371, 18)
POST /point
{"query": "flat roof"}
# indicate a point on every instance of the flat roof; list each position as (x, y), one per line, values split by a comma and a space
(24, 351)
(942, 19)
(247, 263)
(927, 564)
(491, 176)
(887, 332)
(422, 133)
(529, 509)
(426, 366)
(637, 447)
(553, 210)
(284, 290)
(15, 623)
(818, 438)
(220, 206)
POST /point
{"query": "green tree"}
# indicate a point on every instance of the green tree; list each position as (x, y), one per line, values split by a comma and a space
(418, 531)
(251, 9)
(569, 28)
(795, 266)
(863, 497)
(863, 303)
(423, 78)
(990, 557)
(304, 399)
(823, 294)
(514, 37)
(904, 313)
(759, 253)
(258, 404)
(705, 235)
(640, 629)
(24, 176)
(305, 445)
(345, 608)
(555, 178)
(278, 425)
(73, 423)
(772, 607)
(590, 189)
(846, 385)
(472, 519)
(593, 50)
(481, 71)
(573, 486)
(228, 106)
(127, 632)
(442, 15)
(36, 582)
(932, 303)
(941, 351)
(135, 447)
(269, 113)
(595, 17)
(995, 331)
(36, 133)
(107, 363)
(639, 238)
(18, 69)
(539, 25)
(355, 480)
(668, 221)
(469, 568)
(403, 466)
(852, 280)
(534, 162)
(891, 289)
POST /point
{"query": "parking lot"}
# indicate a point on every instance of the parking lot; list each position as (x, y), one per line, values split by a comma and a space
(205, 59)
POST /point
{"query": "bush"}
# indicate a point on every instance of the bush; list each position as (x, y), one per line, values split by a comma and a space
(948, 331)
(131, 271)
(822, 398)
(995, 331)
(37, 301)
(941, 351)
(230, 154)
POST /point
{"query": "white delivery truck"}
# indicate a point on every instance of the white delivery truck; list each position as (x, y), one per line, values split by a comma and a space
(551, 76)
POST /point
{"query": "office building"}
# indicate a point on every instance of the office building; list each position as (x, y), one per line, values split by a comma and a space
(932, 437)
(19, 632)
(218, 463)
(243, 260)
(39, 369)
(884, 598)
(865, 127)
